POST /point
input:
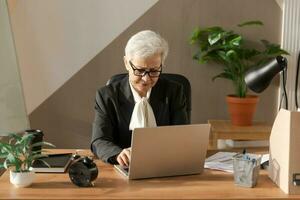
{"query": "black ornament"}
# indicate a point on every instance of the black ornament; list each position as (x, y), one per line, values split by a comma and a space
(83, 171)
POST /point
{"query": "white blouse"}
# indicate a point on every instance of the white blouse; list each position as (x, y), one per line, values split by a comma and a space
(142, 115)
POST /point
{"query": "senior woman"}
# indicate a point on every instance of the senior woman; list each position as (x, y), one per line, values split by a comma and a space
(141, 99)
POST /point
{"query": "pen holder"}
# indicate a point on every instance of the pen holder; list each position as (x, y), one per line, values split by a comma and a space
(246, 169)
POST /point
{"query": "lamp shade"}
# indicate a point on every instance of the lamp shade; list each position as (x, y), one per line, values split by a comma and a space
(259, 78)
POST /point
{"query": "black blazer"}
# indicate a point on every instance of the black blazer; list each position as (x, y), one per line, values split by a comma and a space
(114, 107)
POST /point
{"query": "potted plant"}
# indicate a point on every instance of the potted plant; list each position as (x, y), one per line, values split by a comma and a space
(18, 157)
(231, 50)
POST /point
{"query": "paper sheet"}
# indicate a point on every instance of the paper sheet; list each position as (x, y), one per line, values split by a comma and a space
(223, 161)
(220, 161)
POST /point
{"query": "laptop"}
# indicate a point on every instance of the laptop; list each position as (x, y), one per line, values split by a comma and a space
(167, 151)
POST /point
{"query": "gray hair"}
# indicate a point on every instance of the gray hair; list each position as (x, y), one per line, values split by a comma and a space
(145, 44)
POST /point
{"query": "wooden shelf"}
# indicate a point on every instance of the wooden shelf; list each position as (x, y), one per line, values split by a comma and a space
(223, 129)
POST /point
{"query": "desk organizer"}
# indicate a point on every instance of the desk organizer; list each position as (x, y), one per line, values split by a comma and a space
(246, 169)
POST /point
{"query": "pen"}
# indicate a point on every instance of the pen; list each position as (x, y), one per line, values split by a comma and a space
(244, 151)
(245, 157)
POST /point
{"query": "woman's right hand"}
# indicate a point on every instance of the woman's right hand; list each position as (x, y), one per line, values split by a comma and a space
(124, 157)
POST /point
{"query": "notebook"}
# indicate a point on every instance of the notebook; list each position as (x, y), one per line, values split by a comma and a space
(58, 163)
(167, 151)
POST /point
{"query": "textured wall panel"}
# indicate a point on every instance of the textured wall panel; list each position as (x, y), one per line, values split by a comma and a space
(67, 115)
(291, 42)
(55, 38)
(13, 116)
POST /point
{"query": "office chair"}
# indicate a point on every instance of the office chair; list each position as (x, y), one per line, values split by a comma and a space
(174, 77)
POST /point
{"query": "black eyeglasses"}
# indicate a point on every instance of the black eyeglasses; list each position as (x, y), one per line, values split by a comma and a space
(143, 72)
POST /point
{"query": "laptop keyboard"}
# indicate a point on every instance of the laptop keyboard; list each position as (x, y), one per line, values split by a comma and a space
(123, 170)
(126, 169)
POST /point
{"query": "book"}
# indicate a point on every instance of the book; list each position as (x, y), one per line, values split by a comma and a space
(247, 143)
(58, 163)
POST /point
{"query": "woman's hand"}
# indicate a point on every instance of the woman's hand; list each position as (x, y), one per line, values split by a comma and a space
(124, 157)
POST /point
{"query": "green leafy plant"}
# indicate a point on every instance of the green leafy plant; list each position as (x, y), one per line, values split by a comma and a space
(231, 50)
(17, 153)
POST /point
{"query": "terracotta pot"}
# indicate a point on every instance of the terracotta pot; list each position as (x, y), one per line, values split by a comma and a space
(241, 110)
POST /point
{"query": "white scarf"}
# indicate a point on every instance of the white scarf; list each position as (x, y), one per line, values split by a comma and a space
(142, 115)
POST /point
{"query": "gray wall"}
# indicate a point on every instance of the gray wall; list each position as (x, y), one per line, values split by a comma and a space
(67, 115)
(13, 117)
(56, 38)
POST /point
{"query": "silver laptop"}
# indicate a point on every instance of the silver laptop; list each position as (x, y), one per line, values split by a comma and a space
(167, 151)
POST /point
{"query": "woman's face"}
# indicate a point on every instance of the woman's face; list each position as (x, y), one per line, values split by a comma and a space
(140, 81)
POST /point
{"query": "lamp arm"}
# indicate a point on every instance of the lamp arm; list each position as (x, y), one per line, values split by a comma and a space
(296, 82)
(284, 88)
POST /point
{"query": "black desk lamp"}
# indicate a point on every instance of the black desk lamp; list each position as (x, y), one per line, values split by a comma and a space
(259, 78)
(284, 161)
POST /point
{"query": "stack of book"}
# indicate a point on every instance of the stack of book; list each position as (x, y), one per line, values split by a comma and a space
(246, 143)
(53, 163)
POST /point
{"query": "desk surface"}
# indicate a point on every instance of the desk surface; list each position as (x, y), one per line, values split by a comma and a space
(112, 185)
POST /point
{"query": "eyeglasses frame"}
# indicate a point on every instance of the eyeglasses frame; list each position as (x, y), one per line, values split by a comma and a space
(134, 68)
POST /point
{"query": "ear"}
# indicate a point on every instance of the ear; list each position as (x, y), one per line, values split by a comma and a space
(126, 63)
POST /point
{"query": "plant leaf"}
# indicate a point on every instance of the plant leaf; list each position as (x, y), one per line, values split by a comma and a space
(213, 29)
(37, 156)
(195, 35)
(222, 75)
(43, 161)
(248, 23)
(6, 164)
(236, 41)
(42, 144)
(265, 42)
(12, 159)
(231, 50)
(15, 136)
(202, 60)
(3, 155)
(27, 138)
(6, 148)
(214, 38)
(39, 151)
(231, 54)
(223, 56)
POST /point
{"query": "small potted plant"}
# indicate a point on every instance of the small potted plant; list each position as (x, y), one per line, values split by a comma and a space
(232, 51)
(18, 157)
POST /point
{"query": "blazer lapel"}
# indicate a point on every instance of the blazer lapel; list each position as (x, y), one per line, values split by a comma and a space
(126, 100)
(157, 102)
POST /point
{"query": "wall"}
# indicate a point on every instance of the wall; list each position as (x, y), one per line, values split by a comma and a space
(66, 116)
(13, 117)
(291, 42)
(55, 38)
